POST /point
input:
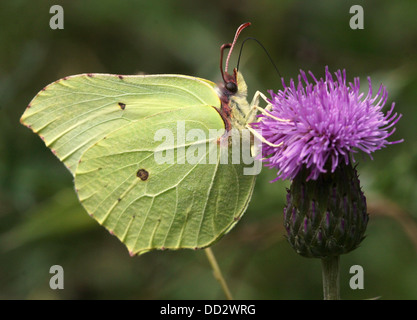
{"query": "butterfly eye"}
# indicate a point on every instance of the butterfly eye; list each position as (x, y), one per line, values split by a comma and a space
(231, 86)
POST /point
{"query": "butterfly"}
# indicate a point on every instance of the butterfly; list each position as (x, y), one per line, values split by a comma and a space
(108, 131)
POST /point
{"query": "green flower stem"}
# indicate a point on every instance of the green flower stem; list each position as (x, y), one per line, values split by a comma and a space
(217, 273)
(331, 279)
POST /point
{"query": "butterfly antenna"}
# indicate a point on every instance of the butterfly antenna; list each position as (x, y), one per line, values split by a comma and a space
(238, 31)
(266, 51)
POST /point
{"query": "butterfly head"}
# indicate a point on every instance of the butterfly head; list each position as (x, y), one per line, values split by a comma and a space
(233, 85)
(230, 85)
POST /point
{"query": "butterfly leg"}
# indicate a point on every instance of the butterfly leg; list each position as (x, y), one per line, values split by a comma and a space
(251, 117)
(254, 106)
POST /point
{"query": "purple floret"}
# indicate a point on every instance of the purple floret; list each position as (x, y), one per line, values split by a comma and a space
(325, 123)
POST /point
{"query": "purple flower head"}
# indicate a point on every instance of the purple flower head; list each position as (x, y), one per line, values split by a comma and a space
(320, 124)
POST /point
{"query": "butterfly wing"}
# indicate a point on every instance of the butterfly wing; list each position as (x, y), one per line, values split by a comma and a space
(73, 113)
(103, 127)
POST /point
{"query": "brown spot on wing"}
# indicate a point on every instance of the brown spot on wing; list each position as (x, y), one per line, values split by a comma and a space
(142, 174)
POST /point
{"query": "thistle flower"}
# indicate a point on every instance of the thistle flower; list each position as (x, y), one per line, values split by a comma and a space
(310, 132)
(326, 122)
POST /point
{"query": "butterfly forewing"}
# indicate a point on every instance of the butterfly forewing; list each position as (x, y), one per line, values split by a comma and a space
(73, 113)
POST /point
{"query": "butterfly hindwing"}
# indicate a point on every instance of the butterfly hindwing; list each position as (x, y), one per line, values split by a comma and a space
(189, 202)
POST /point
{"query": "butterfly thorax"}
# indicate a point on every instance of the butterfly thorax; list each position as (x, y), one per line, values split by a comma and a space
(235, 108)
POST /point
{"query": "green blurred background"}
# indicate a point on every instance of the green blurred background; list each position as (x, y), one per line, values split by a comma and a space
(42, 224)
